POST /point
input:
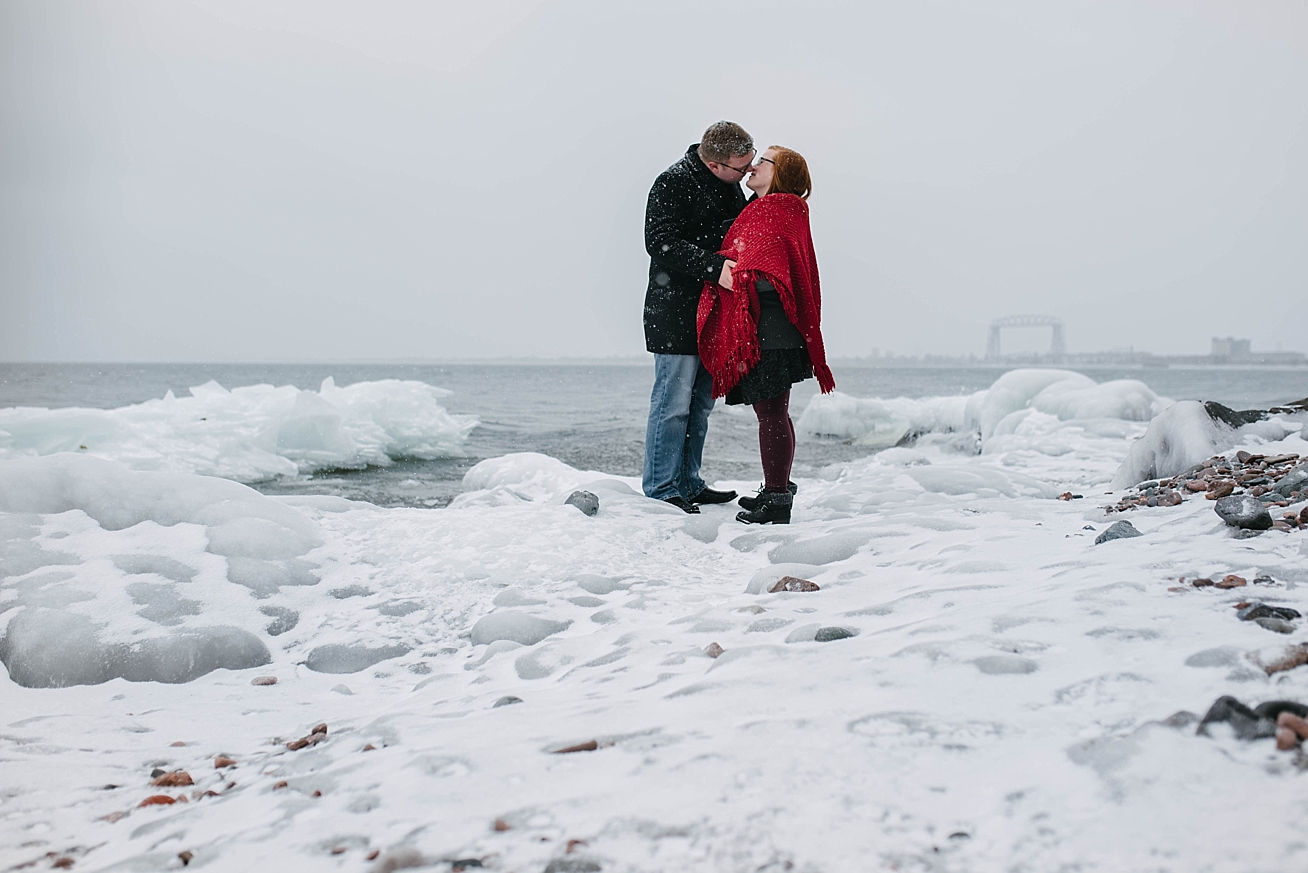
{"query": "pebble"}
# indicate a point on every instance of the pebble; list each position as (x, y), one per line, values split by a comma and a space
(223, 761)
(1243, 511)
(264, 680)
(588, 746)
(157, 800)
(1118, 530)
(587, 502)
(175, 779)
(793, 583)
(1293, 722)
(1232, 581)
(830, 634)
(713, 650)
(507, 700)
(1286, 739)
(1252, 611)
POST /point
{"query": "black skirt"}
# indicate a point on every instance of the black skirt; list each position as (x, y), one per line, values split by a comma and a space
(775, 372)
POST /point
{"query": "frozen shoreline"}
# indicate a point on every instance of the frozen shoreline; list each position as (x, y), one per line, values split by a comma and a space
(998, 705)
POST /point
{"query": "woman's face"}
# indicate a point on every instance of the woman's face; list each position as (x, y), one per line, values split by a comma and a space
(760, 178)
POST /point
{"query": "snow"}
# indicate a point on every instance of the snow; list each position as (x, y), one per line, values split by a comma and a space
(252, 433)
(975, 686)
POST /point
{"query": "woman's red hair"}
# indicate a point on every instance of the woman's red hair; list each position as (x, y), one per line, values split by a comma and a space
(790, 173)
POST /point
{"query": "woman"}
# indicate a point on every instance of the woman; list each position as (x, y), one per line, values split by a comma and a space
(763, 335)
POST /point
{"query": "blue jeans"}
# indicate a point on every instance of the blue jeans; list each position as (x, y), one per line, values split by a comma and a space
(679, 408)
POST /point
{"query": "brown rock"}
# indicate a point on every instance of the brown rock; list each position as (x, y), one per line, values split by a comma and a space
(186, 857)
(1169, 498)
(1196, 485)
(1281, 526)
(370, 748)
(338, 850)
(264, 680)
(1174, 588)
(1245, 457)
(1286, 739)
(182, 798)
(1202, 583)
(1294, 723)
(156, 800)
(713, 650)
(175, 779)
(62, 863)
(793, 583)
(1242, 604)
(501, 825)
(588, 746)
(572, 846)
(1232, 581)
(1284, 659)
(223, 761)
(372, 856)
(177, 745)
(1220, 490)
(1303, 515)
(282, 784)
(317, 793)
(320, 729)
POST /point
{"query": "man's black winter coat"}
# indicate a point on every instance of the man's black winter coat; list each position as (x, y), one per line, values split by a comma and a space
(688, 214)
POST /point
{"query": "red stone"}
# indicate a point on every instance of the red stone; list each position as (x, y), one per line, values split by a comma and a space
(175, 779)
(1294, 723)
(1286, 739)
(1232, 581)
(501, 825)
(157, 800)
(223, 761)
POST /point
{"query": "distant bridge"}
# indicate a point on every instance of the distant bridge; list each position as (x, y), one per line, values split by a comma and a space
(1057, 342)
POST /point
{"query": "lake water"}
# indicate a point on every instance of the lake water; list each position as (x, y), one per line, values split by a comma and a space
(589, 416)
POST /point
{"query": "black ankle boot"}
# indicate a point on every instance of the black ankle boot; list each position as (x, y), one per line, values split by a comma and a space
(751, 503)
(770, 507)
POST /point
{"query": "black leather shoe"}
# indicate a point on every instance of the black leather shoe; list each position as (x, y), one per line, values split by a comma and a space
(708, 495)
(751, 503)
(683, 504)
(770, 507)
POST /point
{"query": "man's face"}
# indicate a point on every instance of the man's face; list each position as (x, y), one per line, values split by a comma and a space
(732, 170)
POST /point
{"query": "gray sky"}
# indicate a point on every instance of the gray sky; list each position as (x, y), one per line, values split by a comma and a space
(228, 180)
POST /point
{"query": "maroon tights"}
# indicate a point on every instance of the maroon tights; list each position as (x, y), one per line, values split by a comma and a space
(776, 440)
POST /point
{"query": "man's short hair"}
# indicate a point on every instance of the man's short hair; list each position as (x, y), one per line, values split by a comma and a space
(725, 140)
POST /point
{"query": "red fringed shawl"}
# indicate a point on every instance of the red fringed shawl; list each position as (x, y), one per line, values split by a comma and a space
(771, 238)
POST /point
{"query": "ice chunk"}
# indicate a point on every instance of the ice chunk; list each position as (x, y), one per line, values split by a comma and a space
(516, 626)
(1177, 439)
(252, 433)
(47, 648)
(338, 658)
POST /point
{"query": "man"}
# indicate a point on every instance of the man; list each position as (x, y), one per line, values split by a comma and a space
(690, 208)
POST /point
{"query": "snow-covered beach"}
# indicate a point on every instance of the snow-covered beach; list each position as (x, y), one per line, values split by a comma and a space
(977, 684)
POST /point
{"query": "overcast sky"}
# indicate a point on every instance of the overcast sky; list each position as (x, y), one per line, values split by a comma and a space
(315, 180)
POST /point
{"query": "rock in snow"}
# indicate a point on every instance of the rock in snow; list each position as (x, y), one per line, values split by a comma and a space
(1243, 511)
(1118, 530)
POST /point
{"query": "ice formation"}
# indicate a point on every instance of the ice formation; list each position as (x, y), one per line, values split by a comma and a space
(999, 410)
(111, 573)
(1185, 434)
(251, 433)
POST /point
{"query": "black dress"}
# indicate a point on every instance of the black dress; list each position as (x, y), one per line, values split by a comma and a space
(784, 357)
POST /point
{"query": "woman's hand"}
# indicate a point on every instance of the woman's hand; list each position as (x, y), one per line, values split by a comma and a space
(725, 279)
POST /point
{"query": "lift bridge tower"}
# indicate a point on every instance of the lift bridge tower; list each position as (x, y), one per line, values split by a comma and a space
(1057, 341)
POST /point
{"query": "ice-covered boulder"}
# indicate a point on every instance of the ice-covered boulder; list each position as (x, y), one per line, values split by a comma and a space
(110, 573)
(1189, 432)
(251, 433)
(518, 627)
